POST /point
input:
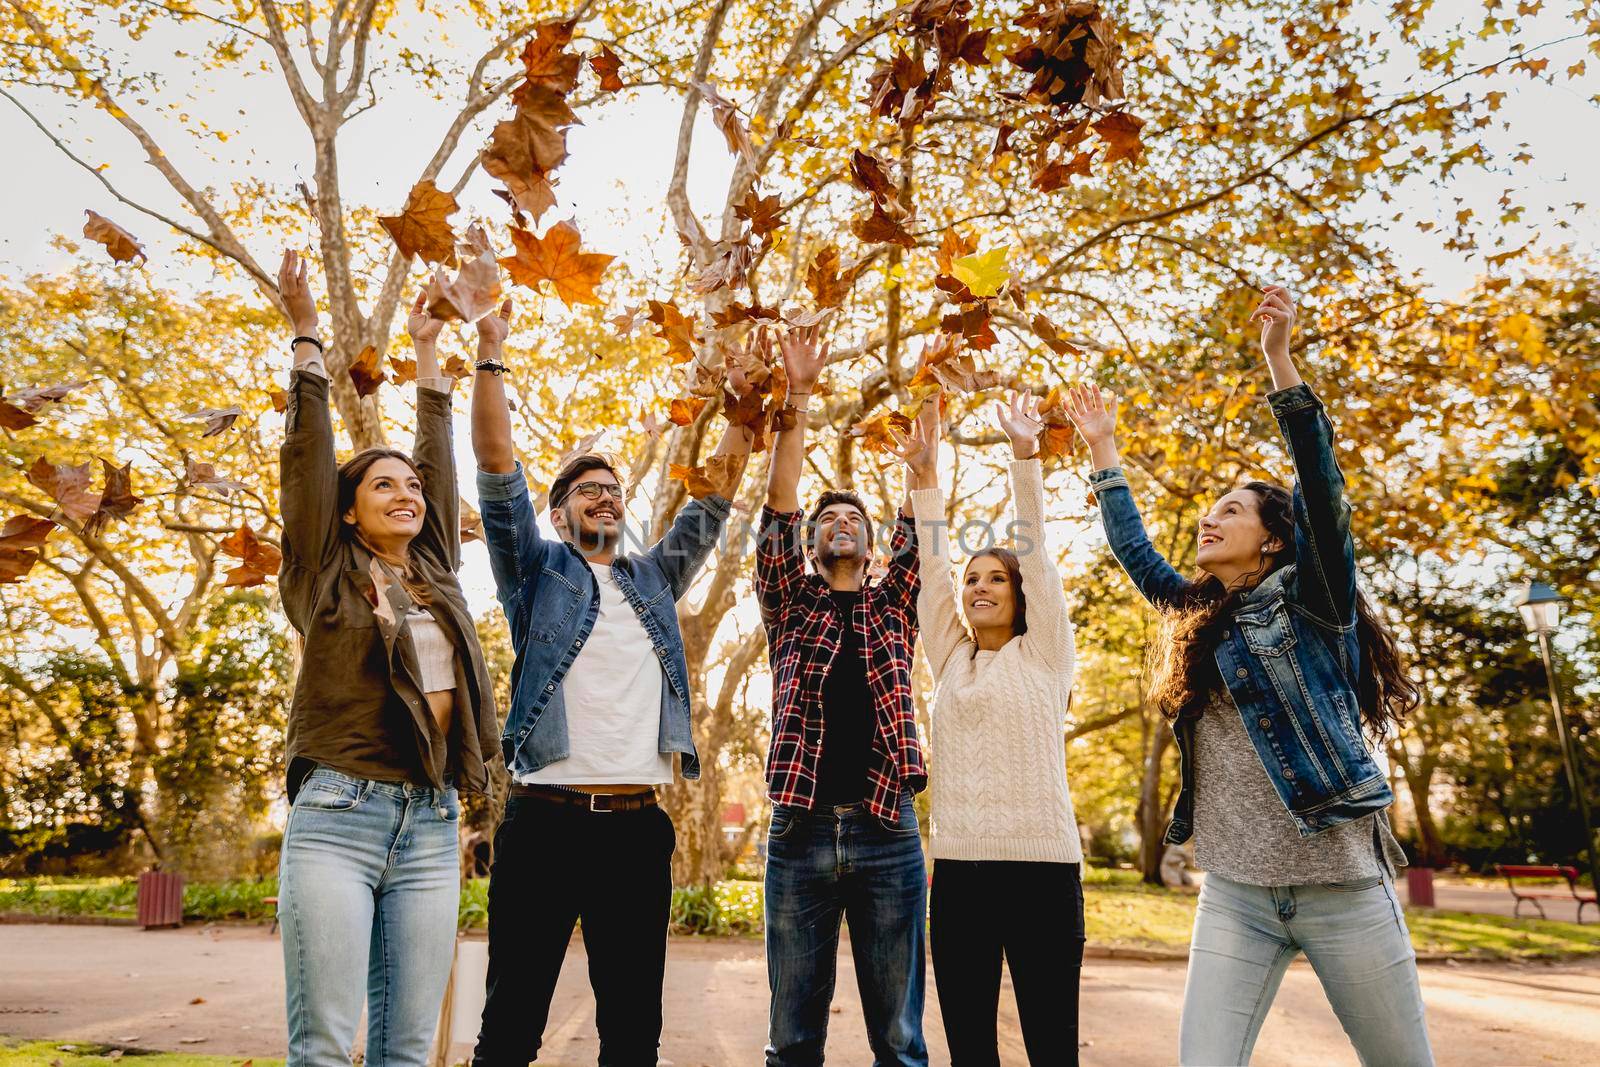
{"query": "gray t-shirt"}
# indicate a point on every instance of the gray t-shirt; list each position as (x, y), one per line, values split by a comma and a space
(1242, 830)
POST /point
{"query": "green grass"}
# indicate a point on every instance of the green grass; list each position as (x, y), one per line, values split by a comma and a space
(1498, 937)
(87, 1053)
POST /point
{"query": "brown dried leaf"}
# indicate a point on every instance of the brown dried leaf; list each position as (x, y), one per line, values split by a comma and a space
(68, 486)
(121, 244)
(875, 432)
(216, 419)
(525, 148)
(365, 373)
(475, 290)
(1120, 130)
(726, 118)
(682, 411)
(205, 476)
(717, 477)
(760, 211)
(545, 61)
(117, 500)
(422, 228)
(258, 560)
(405, 370)
(607, 64)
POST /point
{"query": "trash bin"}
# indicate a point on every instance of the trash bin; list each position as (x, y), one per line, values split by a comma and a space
(1419, 887)
(160, 899)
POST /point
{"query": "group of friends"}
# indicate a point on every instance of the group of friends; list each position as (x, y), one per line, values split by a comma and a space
(1273, 672)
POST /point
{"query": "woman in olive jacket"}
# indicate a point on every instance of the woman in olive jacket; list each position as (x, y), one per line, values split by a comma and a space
(393, 713)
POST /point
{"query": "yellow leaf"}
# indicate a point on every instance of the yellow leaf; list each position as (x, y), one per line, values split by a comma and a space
(984, 273)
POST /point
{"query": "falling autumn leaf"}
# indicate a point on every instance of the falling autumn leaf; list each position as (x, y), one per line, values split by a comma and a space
(1120, 131)
(117, 500)
(726, 119)
(983, 273)
(258, 560)
(280, 400)
(216, 419)
(608, 66)
(475, 290)
(760, 211)
(21, 538)
(365, 373)
(682, 411)
(525, 148)
(676, 328)
(718, 476)
(1046, 331)
(121, 244)
(204, 476)
(556, 258)
(728, 267)
(14, 418)
(876, 433)
(650, 425)
(405, 370)
(68, 486)
(422, 228)
(457, 368)
(828, 284)
(545, 62)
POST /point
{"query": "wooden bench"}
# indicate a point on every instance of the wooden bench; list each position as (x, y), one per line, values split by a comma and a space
(274, 902)
(1512, 872)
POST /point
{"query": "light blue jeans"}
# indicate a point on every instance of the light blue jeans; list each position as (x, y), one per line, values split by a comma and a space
(1354, 936)
(369, 883)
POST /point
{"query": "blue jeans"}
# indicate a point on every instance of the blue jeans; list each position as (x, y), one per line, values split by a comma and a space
(1354, 936)
(844, 862)
(369, 883)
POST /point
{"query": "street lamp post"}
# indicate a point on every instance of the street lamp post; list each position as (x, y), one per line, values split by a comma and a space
(1541, 606)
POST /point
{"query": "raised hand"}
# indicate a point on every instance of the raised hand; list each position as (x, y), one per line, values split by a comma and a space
(494, 329)
(919, 451)
(1276, 315)
(803, 359)
(1020, 420)
(1095, 416)
(296, 293)
(420, 324)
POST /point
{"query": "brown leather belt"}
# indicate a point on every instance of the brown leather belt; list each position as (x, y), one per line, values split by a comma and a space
(596, 802)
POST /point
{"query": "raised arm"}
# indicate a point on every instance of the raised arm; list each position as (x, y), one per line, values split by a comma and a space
(309, 477)
(434, 450)
(902, 581)
(1049, 626)
(509, 528)
(938, 618)
(1096, 419)
(803, 361)
(1324, 550)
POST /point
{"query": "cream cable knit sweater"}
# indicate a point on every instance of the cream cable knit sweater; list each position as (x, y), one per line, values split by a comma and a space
(999, 774)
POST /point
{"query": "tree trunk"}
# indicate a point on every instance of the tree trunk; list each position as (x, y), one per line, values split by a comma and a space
(1430, 844)
(1151, 812)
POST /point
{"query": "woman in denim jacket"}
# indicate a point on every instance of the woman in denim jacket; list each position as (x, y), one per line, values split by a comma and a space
(1270, 665)
(393, 712)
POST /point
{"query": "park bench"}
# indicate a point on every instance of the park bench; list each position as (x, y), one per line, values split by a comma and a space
(1512, 872)
(274, 902)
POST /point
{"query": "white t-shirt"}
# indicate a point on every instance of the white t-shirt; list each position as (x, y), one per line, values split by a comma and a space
(612, 695)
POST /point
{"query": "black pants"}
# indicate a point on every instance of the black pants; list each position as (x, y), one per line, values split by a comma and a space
(553, 866)
(1032, 914)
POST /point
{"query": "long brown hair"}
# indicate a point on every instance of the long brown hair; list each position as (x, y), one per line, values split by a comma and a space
(1185, 672)
(1019, 600)
(351, 474)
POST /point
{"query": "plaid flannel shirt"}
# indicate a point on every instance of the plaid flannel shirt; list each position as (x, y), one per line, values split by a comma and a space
(802, 639)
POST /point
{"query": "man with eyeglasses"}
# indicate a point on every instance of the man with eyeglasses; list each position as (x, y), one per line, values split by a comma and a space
(599, 707)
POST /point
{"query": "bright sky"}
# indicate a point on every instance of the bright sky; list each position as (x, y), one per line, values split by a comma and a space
(614, 182)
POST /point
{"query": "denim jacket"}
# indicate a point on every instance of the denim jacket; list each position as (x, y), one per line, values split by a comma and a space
(551, 600)
(1291, 658)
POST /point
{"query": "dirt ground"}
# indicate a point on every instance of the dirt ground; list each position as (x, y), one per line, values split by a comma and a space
(124, 985)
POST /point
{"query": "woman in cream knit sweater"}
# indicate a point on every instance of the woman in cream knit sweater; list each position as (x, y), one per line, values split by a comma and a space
(1005, 843)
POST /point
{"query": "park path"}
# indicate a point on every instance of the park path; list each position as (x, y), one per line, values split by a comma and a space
(120, 984)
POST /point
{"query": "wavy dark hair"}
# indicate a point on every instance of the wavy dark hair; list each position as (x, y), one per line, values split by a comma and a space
(1019, 599)
(1185, 671)
(351, 474)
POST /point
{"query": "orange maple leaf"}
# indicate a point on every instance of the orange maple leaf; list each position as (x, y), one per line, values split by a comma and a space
(606, 64)
(555, 258)
(676, 328)
(422, 227)
(1120, 130)
(365, 373)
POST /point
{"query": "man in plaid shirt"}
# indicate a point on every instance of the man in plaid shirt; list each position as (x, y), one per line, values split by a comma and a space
(845, 760)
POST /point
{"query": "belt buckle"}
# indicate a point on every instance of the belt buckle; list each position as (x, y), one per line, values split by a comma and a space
(601, 811)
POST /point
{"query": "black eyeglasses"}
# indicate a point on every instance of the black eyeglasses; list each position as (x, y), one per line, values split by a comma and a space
(592, 490)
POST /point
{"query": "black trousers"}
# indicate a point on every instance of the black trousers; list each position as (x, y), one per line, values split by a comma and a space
(1032, 915)
(553, 866)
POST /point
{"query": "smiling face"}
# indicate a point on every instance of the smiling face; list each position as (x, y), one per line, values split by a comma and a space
(591, 521)
(841, 535)
(388, 505)
(1233, 539)
(988, 596)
